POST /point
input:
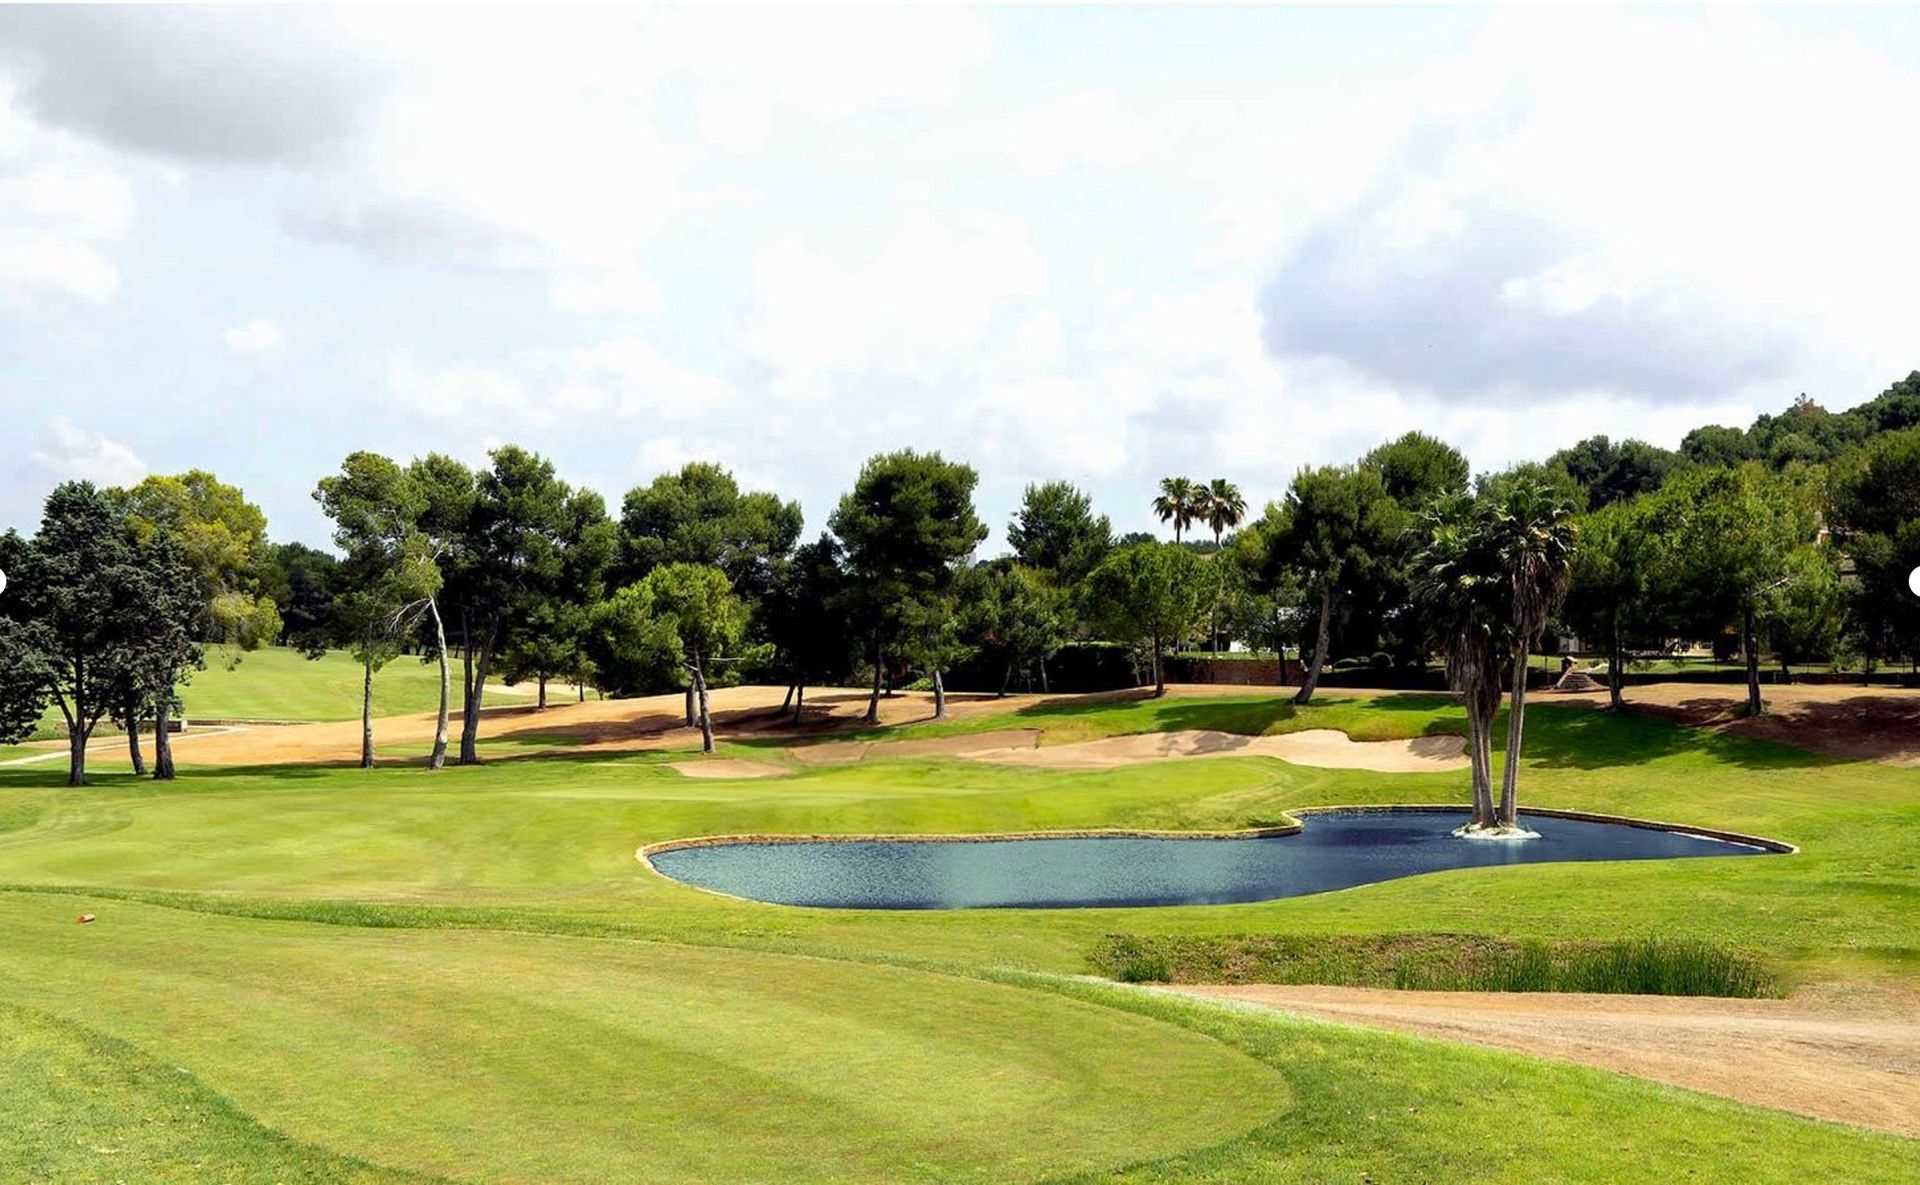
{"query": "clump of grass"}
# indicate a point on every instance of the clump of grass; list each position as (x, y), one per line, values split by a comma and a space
(1443, 962)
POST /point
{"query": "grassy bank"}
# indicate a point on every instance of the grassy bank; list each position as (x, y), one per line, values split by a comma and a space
(1442, 962)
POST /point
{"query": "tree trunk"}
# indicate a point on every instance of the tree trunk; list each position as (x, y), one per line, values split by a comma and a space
(541, 706)
(1616, 664)
(476, 685)
(1044, 689)
(799, 700)
(162, 737)
(1516, 724)
(1479, 755)
(366, 714)
(133, 739)
(873, 701)
(1786, 671)
(706, 717)
(1754, 706)
(581, 688)
(438, 758)
(1310, 678)
(787, 703)
(1159, 672)
(691, 718)
(939, 698)
(77, 755)
(1006, 677)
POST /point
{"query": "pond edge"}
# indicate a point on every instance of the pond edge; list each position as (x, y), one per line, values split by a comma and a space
(645, 853)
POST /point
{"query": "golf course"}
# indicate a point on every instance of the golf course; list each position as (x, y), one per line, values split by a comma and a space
(305, 971)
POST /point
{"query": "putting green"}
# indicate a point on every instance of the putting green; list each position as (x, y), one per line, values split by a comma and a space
(548, 1059)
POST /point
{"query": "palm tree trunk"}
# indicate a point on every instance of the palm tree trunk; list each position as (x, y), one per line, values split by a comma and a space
(1310, 678)
(1516, 725)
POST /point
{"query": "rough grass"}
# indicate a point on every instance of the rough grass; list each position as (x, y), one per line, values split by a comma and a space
(1443, 962)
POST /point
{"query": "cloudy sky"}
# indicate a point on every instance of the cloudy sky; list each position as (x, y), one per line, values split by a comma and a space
(1105, 245)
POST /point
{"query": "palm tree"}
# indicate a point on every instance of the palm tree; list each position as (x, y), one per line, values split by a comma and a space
(1462, 594)
(1222, 506)
(1533, 533)
(1180, 502)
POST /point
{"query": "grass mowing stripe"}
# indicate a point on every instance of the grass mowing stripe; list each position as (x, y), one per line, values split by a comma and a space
(85, 1107)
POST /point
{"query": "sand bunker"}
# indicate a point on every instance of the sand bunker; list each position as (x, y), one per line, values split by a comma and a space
(727, 767)
(1323, 747)
(1852, 1061)
(971, 745)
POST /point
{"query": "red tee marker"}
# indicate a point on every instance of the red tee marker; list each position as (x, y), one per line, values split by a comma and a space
(83, 919)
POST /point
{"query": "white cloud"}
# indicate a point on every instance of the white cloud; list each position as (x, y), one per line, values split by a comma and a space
(62, 209)
(256, 338)
(75, 453)
(623, 378)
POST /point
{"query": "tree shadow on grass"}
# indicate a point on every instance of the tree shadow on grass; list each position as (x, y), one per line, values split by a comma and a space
(1578, 736)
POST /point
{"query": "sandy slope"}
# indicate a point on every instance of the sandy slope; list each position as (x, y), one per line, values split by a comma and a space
(1322, 747)
(1852, 1061)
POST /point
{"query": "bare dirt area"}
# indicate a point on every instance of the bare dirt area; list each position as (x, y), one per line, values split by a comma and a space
(972, 744)
(1854, 723)
(727, 767)
(1851, 1060)
(1324, 747)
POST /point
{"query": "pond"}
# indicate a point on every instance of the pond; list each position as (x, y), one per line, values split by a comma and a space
(1335, 850)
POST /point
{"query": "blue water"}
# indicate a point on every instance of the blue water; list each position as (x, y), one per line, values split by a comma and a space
(1336, 851)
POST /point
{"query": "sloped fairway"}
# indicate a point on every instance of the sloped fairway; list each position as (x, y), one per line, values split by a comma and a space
(511, 1057)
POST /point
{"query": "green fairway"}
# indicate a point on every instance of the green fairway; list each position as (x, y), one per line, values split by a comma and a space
(276, 683)
(468, 975)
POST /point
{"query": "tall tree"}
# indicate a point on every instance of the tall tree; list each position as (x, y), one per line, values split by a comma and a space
(685, 613)
(391, 574)
(1875, 495)
(1015, 617)
(1341, 526)
(511, 555)
(1464, 596)
(907, 525)
(1056, 532)
(1614, 471)
(77, 616)
(1726, 539)
(700, 516)
(300, 581)
(224, 538)
(1417, 468)
(447, 493)
(1533, 534)
(1222, 506)
(1609, 601)
(1179, 503)
(1148, 594)
(811, 639)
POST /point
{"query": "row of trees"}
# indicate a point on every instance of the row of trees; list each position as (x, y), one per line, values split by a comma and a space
(508, 571)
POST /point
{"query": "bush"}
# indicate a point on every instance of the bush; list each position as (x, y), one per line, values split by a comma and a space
(1443, 962)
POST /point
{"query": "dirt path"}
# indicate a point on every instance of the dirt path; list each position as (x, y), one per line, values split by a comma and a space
(1853, 1061)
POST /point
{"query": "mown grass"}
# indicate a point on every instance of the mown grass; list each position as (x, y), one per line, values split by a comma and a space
(381, 964)
(1442, 962)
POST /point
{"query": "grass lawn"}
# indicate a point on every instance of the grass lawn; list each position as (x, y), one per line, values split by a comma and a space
(325, 974)
(276, 683)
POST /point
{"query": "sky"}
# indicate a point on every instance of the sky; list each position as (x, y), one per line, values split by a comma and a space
(1099, 244)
